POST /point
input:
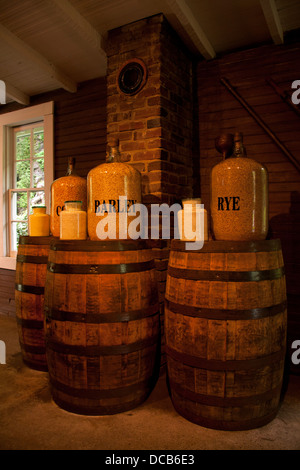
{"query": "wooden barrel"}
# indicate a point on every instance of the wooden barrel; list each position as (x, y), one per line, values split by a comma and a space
(225, 314)
(102, 325)
(31, 271)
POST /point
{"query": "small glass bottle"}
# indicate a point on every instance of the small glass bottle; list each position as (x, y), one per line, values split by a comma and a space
(188, 216)
(73, 221)
(239, 197)
(108, 184)
(39, 222)
(68, 187)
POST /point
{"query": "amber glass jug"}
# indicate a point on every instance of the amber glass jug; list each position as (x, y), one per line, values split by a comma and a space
(113, 189)
(239, 197)
(69, 187)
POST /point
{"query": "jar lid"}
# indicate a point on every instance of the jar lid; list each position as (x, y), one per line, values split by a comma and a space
(195, 200)
(41, 207)
(66, 202)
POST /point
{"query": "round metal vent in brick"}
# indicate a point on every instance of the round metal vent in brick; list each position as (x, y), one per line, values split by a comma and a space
(132, 76)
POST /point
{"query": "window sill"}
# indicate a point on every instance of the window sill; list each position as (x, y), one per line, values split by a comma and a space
(8, 263)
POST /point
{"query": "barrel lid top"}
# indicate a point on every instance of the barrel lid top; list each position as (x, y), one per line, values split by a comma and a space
(216, 246)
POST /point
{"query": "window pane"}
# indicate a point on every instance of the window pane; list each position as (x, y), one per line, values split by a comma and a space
(23, 174)
(17, 229)
(36, 198)
(22, 145)
(38, 142)
(38, 173)
(19, 206)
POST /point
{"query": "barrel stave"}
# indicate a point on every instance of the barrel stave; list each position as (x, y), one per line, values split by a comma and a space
(30, 281)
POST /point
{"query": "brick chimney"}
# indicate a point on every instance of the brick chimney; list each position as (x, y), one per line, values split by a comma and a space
(155, 125)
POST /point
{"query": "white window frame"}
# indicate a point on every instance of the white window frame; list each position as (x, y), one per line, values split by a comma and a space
(43, 112)
(13, 187)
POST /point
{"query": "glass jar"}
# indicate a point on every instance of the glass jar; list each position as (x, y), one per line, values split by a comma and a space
(239, 197)
(113, 188)
(68, 187)
(73, 221)
(187, 220)
(39, 222)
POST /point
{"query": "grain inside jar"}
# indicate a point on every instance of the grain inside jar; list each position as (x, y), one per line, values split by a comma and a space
(73, 221)
(114, 188)
(70, 187)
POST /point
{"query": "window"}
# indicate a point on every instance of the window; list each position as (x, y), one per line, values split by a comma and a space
(28, 179)
(26, 152)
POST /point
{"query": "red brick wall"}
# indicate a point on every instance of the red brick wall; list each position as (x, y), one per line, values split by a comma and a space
(155, 126)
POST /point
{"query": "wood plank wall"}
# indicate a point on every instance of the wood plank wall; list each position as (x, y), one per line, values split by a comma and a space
(7, 292)
(220, 112)
(79, 124)
(80, 127)
(80, 132)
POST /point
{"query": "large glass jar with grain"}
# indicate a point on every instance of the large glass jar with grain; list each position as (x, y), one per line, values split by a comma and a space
(114, 188)
(69, 187)
(239, 197)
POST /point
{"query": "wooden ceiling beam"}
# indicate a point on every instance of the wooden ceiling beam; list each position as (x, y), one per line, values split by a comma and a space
(86, 31)
(29, 54)
(16, 94)
(273, 21)
(192, 27)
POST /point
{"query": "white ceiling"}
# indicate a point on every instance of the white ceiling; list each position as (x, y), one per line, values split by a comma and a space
(50, 44)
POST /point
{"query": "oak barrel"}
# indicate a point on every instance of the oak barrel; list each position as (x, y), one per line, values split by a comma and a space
(31, 271)
(102, 325)
(225, 326)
